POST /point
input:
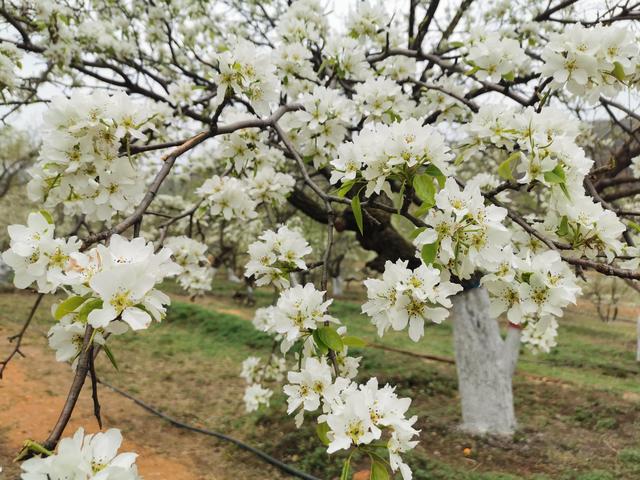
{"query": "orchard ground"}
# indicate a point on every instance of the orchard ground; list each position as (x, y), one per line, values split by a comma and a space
(578, 407)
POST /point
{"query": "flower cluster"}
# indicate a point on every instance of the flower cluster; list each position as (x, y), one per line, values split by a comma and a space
(83, 161)
(294, 68)
(121, 278)
(36, 256)
(382, 100)
(462, 234)
(386, 152)
(270, 187)
(585, 225)
(255, 373)
(197, 273)
(346, 59)
(408, 297)
(245, 149)
(91, 456)
(9, 60)
(322, 125)
(299, 311)
(591, 61)
(67, 336)
(494, 56)
(229, 197)
(531, 289)
(440, 96)
(275, 255)
(106, 283)
(303, 21)
(540, 336)
(543, 144)
(352, 414)
(244, 72)
(368, 21)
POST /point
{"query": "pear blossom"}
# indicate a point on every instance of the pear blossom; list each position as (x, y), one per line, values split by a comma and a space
(256, 395)
(321, 126)
(388, 152)
(304, 21)
(405, 297)
(197, 273)
(495, 56)
(381, 100)
(79, 163)
(10, 60)
(269, 186)
(228, 197)
(91, 456)
(535, 293)
(275, 255)
(464, 233)
(591, 61)
(300, 309)
(359, 414)
(243, 72)
(36, 256)
(306, 387)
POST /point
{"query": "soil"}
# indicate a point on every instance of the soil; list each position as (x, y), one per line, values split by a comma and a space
(33, 391)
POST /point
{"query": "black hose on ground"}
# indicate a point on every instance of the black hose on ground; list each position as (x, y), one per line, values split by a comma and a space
(258, 453)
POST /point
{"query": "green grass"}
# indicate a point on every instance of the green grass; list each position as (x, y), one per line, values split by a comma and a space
(590, 355)
(188, 366)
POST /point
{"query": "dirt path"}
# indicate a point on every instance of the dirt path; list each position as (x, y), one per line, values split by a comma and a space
(33, 391)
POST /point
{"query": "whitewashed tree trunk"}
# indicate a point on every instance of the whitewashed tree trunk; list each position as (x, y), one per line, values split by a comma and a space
(485, 364)
(638, 340)
(337, 285)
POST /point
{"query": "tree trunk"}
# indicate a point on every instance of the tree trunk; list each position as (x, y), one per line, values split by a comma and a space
(336, 284)
(638, 340)
(485, 364)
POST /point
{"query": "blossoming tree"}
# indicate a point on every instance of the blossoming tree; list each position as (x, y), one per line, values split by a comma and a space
(467, 123)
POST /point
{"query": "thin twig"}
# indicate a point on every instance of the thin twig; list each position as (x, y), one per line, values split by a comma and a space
(20, 335)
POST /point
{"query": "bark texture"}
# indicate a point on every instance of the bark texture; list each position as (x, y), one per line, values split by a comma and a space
(485, 364)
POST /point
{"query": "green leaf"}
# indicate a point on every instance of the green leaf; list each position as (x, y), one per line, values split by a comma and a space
(321, 430)
(417, 231)
(556, 175)
(345, 188)
(323, 349)
(618, 72)
(351, 341)
(429, 252)
(346, 469)
(402, 224)
(435, 172)
(47, 216)
(509, 77)
(423, 209)
(379, 470)
(68, 306)
(400, 197)
(330, 338)
(634, 225)
(504, 170)
(563, 229)
(87, 308)
(563, 187)
(424, 188)
(357, 213)
(472, 71)
(109, 353)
